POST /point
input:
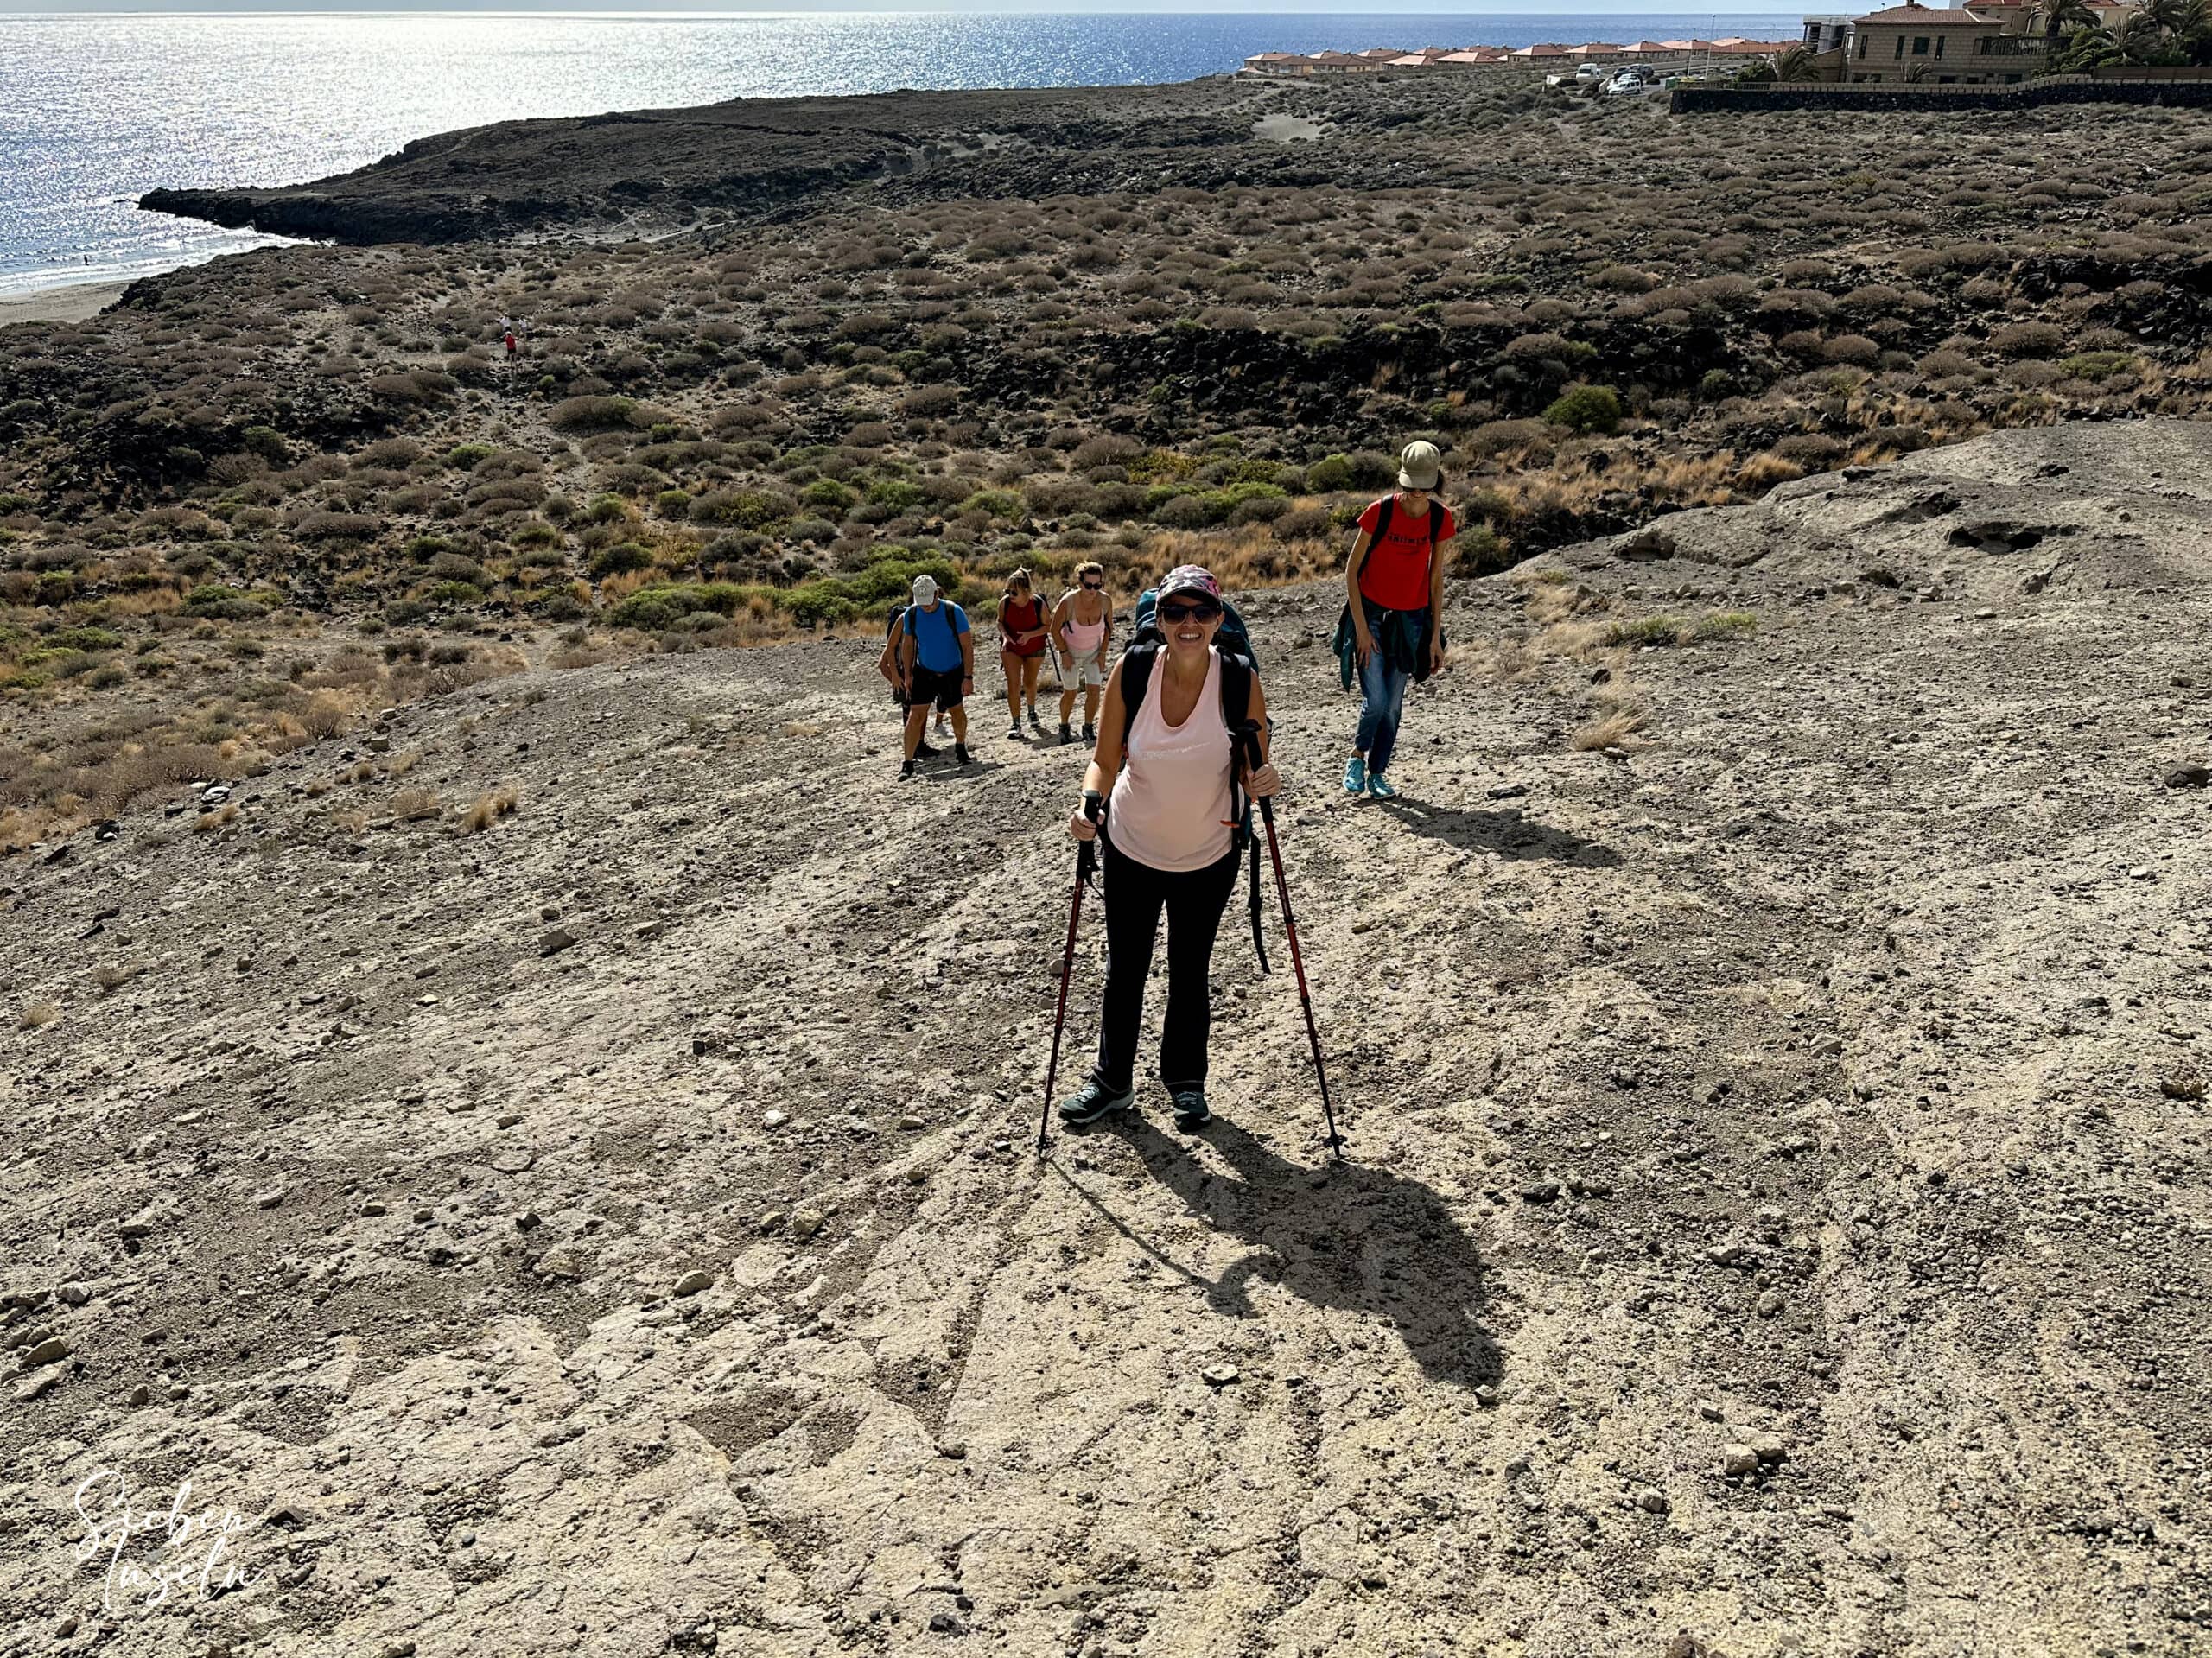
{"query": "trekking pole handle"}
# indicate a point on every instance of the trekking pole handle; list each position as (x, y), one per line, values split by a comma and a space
(1093, 803)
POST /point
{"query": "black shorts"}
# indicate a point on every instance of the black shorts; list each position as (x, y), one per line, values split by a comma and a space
(942, 689)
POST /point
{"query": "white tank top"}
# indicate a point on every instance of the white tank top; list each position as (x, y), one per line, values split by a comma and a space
(1171, 800)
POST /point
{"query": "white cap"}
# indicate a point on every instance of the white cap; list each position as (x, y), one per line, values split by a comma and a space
(924, 589)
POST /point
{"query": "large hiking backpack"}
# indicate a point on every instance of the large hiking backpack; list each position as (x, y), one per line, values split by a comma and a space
(1232, 637)
(1238, 674)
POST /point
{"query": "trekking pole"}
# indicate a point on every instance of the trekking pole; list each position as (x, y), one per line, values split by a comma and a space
(1250, 737)
(1086, 860)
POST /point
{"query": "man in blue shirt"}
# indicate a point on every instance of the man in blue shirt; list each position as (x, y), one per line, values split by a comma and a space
(937, 663)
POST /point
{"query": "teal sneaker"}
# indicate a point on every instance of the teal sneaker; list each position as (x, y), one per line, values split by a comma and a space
(1355, 775)
(1094, 1100)
(1190, 1109)
(1379, 786)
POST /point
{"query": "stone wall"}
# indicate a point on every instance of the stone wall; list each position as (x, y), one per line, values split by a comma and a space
(1702, 100)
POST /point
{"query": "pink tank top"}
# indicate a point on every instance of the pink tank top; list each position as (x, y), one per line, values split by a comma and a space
(1084, 636)
(1171, 800)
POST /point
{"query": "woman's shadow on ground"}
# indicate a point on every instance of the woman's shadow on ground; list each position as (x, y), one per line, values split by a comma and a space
(1344, 1236)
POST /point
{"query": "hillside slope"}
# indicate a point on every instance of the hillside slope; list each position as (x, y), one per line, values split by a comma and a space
(1791, 1084)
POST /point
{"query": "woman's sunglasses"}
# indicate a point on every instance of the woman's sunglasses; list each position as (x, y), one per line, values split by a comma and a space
(1094, 586)
(1201, 612)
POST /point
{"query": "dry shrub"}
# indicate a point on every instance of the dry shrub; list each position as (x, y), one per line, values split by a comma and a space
(222, 817)
(113, 975)
(492, 805)
(412, 805)
(1617, 725)
(39, 1014)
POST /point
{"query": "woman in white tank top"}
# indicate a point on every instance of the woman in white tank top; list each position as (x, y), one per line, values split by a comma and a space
(1169, 846)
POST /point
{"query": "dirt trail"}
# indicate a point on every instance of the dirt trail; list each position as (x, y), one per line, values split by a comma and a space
(1792, 1090)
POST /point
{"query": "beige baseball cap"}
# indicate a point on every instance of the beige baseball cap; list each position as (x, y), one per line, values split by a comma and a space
(1421, 467)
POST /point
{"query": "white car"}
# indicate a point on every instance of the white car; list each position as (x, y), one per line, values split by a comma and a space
(1590, 75)
(1629, 82)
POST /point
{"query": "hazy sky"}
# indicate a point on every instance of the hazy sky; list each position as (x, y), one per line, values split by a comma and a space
(1391, 7)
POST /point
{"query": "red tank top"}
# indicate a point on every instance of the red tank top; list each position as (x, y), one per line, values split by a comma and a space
(1017, 618)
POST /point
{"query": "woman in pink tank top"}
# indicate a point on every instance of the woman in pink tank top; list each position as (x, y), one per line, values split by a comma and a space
(1169, 846)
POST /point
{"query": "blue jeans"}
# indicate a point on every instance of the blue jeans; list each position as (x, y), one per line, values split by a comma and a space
(1385, 690)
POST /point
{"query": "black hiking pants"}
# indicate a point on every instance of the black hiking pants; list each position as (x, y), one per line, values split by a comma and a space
(1194, 900)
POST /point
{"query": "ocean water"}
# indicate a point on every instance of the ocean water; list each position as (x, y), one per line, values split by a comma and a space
(96, 110)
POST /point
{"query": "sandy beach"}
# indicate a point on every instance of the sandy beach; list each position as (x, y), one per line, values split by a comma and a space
(71, 304)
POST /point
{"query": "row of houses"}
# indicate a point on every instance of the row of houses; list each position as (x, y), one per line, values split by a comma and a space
(1666, 55)
(1979, 43)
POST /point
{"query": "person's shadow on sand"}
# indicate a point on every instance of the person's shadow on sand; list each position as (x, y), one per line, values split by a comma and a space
(1355, 1237)
(1506, 833)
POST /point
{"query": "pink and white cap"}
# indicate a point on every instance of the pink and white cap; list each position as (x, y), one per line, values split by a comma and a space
(1189, 578)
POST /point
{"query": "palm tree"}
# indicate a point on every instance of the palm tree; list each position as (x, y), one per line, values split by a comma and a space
(1796, 64)
(2168, 16)
(2062, 17)
(2139, 37)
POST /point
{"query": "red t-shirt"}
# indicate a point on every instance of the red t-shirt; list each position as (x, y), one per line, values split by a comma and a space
(1395, 572)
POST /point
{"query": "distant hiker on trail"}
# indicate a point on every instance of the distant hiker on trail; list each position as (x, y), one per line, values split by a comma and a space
(511, 344)
(936, 662)
(893, 670)
(1391, 632)
(1082, 623)
(1169, 838)
(1022, 638)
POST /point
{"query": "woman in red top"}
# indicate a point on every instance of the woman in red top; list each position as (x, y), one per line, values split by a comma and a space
(1021, 648)
(1394, 579)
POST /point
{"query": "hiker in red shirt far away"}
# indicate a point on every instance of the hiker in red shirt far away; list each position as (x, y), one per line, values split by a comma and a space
(1392, 630)
(511, 344)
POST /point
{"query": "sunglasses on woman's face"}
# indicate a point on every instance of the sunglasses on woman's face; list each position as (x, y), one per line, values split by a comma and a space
(1201, 612)
(1093, 587)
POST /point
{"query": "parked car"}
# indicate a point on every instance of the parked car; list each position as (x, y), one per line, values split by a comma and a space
(1585, 79)
(1632, 81)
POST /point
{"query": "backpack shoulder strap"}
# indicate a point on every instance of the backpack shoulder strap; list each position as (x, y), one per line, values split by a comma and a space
(1237, 676)
(1390, 506)
(1137, 664)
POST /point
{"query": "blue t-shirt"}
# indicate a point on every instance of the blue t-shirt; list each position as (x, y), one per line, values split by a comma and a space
(937, 635)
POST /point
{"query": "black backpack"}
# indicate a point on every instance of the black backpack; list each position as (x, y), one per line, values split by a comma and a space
(1238, 675)
(1390, 506)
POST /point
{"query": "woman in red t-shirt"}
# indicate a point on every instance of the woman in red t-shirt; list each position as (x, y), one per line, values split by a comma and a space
(1021, 648)
(1394, 584)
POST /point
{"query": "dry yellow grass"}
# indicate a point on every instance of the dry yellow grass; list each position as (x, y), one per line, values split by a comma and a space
(412, 805)
(491, 806)
(1618, 725)
(113, 975)
(39, 1014)
(222, 817)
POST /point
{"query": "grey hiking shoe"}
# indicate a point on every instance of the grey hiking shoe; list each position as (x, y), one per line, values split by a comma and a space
(1191, 1111)
(1094, 1100)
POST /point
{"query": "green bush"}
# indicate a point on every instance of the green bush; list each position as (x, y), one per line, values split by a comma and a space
(463, 457)
(621, 557)
(592, 413)
(673, 503)
(607, 509)
(226, 604)
(1328, 475)
(455, 595)
(742, 509)
(1586, 409)
(2097, 366)
(999, 503)
(828, 495)
(84, 638)
(267, 442)
(897, 494)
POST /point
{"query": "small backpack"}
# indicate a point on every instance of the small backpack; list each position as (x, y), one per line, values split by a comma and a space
(1237, 677)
